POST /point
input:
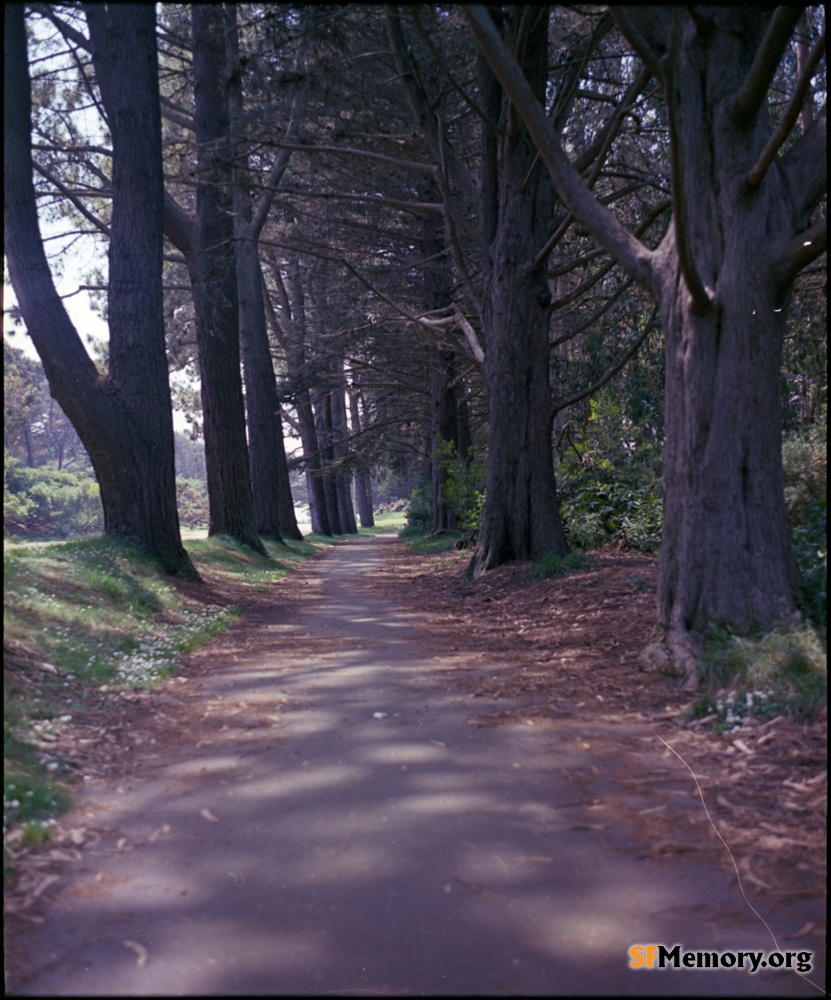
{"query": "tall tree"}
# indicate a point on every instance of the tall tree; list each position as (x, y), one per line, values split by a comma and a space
(521, 519)
(212, 266)
(124, 417)
(744, 194)
(273, 507)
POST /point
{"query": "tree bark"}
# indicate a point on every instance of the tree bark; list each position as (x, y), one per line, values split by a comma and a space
(124, 418)
(212, 269)
(322, 406)
(447, 423)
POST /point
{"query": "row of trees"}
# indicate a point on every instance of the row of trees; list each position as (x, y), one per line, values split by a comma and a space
(462, 268)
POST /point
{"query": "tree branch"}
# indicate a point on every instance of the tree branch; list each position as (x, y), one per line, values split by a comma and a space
(178, 227)
(701, 297)
(263, 206)
(752, 92)
(389, 161)
(173, 113)
(625, 248)
(561, 404)
(441, 63)
(757, 174)
(79, 205)
(632, 33)
(421, 109)
(801, 251)
(806, 166)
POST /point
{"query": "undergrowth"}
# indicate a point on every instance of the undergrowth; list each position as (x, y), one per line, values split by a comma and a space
(552, 565)
(779, 673)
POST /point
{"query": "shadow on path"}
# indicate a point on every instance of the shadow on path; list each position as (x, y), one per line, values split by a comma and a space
(329, 823)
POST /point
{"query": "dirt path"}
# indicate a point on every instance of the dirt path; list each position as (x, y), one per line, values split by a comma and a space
(311, 807)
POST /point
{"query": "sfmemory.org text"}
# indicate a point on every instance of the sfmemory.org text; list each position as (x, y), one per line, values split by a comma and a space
(659, 956)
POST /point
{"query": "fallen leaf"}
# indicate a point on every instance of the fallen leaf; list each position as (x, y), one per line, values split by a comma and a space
(139, 949)
(803, 930)
(756, 881)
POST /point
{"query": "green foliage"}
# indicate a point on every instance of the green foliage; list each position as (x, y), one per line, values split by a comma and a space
(192, 501)
(464, 487)
(552, 565)
(804, 461)
(419, 513)
(783, 672)
(47, 503)
(609, 477)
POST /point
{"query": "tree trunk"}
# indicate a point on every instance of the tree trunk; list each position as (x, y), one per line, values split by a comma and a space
(322, 404)
(292, 336)
(448, 424)
(340, 430)
(270, 487)
(438, 282)
(212, 269)
(725, 552)
(521, 519)
(124, 419)
(363, 482)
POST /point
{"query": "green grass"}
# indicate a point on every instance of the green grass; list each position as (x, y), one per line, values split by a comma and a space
(779, 673)
(552, 565)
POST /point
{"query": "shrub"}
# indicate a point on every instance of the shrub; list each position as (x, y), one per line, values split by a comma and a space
(192, 502)
(804, 464)
(419, 512)
(464, 487)
(596, 512)
(48, 503)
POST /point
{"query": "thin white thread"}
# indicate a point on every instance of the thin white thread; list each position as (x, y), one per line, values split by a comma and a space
(735, 866)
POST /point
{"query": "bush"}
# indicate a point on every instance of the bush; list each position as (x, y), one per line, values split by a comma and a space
(46, 503)
(596, 512)
(464, 488)
(192, 502)
(804, 463)
(609, 478)
(419, 512)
